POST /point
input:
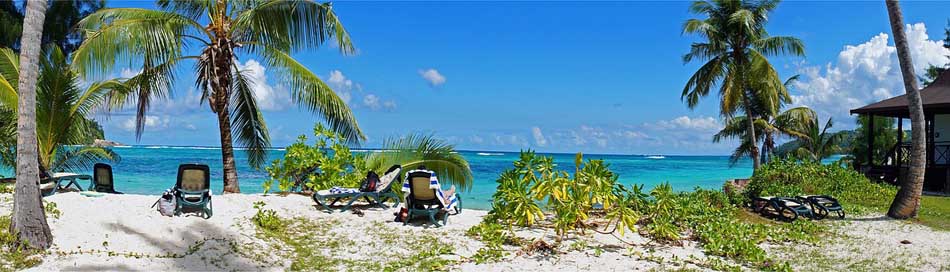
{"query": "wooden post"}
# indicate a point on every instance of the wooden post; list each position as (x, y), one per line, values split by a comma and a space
(900, 141)
(929, 121)
(871, 140)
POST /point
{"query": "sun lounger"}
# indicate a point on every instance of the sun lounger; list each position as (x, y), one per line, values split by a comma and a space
(50, 184)
(376, 197)
(193, 189)
(102, 180)
(823, 205)
(425, 197)
(783, 208)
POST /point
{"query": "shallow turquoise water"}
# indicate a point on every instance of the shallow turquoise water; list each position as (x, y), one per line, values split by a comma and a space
(152, 169)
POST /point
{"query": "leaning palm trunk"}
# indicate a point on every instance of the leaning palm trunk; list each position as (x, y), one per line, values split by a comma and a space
(29, 219)
(754, 151)
(907, 201)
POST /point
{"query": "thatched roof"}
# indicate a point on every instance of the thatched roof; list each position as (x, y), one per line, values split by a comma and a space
(936, 98)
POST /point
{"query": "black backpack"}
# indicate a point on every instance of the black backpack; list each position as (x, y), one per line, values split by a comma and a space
(370, 182)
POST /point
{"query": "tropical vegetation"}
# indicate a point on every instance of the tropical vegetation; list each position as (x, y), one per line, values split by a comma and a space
(63, 110)
(58, 26)
(329, 162)
(573, 199)
(735, 48)
(220, 33)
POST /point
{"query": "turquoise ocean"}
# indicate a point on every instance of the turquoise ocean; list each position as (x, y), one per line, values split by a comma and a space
(152, 169)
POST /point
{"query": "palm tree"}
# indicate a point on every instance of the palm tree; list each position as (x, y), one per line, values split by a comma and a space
(735, 48)
(789, 123)
(222, 31)
(814, 141)
(907, 201)
(29, 218)
(417, 150)
(61, 111)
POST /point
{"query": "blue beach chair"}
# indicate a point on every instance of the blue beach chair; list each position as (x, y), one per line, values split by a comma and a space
(193, 189)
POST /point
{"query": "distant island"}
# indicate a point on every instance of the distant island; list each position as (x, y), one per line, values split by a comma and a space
(105, 143)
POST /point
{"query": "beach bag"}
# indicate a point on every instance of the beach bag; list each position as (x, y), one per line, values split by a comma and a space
(370, 182)
(166, 203)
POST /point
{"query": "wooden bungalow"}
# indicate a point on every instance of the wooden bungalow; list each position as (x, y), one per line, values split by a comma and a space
(936, 99)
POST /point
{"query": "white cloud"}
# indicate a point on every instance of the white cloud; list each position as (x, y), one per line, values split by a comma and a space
(538, 136)
(342, 85)
(389, 105)
(346, 88)
(864, 73)
(371, 101)
(268, 98)
(152, 123)
(685, 122)
(433, 76)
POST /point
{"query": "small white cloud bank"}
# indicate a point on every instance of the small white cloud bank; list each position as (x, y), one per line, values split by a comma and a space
(347, 89)
(432, 76)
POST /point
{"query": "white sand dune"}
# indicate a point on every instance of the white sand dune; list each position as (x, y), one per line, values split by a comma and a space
(122, 232)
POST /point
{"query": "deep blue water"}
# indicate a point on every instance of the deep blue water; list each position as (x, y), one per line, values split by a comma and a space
(152, 169)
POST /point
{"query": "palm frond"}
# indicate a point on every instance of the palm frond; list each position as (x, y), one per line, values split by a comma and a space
(417, 150)
(247, 123)
(9, 78)
(192, 9)
(700, 82)
(780, 45)
(311, 92)
(74, 159)
(116, 35)
(290, 26)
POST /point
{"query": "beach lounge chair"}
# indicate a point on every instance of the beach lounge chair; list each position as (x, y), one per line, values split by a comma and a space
(102, 180)
(50, 184)
(822, 205)
(783, 208)
(193, 190)
(425, 198)
(376, 197)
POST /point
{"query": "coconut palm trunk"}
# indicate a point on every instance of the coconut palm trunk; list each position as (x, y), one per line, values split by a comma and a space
(754, 152)
(907, 201)
(29, 219)
(221, 56)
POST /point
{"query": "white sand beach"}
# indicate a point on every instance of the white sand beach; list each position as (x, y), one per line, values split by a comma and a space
(122, 232)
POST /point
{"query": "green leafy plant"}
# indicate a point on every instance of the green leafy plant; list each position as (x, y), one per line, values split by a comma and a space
(266, 219)
(790, 178)
(326, 163)
(593, 189)
(51, 209)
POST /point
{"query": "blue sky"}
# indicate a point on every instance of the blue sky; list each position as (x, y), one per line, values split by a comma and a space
(596, 77)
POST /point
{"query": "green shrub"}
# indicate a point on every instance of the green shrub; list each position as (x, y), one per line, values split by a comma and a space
(325, 164)
(593, 188)
(266, 219)
(790, 178)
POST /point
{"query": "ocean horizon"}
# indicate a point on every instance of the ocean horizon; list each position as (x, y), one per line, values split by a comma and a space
(150, 169)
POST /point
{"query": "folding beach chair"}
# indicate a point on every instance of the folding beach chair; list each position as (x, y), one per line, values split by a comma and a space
(784, 208)
(425, 197)
(193, 189)
(102, 180)
(822, 205)
(377, 197)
